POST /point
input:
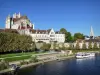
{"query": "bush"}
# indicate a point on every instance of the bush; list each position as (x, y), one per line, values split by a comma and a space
(77, 46)
(23, 62)
(34, 59)
(84, 46)
(4, 65)
(46, 46)
(95, 46)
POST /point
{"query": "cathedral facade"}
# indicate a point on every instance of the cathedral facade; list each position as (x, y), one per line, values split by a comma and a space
(18, 22)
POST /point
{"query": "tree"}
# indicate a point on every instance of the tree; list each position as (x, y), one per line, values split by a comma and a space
(78, 36)
(99, 46)
(62, 47)
(69, 37)
(13, 42)
(70, 46)
(64, 31)
(46, 46)
(77, 46)
(84, 46)
(33, 46)
(90, 45)
(95, 46)
(56, 46)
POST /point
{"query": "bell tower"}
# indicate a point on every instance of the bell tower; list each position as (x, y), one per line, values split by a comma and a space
(8, 25)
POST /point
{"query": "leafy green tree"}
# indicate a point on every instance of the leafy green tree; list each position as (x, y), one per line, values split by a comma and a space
(64, 31)
(62, 47)
(33, 46)
(78, 36)
(46, 46)
(54, 46)
(77, 46)
(99, 46)
(70, 46)
(12, 42)
(90, 45)
(69, 37)
(84, 46)
(95, 46)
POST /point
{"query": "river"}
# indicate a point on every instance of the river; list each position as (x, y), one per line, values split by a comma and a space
(73, 66)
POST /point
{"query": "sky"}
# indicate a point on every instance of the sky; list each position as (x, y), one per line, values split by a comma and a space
(73, 15)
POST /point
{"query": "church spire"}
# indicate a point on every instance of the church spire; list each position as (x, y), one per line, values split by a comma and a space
(91, 33)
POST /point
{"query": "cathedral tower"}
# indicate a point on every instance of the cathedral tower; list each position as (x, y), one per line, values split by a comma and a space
(8, 22)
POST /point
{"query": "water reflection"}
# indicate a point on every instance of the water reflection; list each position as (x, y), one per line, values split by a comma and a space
(85, 59)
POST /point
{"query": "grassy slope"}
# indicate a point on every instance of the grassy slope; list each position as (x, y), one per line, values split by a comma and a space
(18, 56)
(22, 56)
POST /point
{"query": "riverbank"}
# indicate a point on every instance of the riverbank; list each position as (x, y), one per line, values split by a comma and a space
(37, 63)
(41, 62)
(59, 58)
(71, 66)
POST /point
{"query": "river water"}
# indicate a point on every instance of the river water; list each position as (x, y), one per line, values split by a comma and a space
(73, 66)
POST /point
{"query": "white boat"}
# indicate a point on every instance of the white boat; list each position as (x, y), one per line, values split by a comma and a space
(91, 54)
(84, 55)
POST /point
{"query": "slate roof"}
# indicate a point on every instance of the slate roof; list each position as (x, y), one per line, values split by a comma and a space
(40, 31)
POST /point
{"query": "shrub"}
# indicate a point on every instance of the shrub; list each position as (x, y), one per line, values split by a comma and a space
(23, 62)
(34, 59)
(4, 65)
(84, 46)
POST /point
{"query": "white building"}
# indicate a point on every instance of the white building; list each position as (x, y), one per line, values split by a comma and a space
(46, 36)
(23, 25)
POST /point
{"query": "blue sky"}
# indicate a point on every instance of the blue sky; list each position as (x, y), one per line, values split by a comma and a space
(74, 15)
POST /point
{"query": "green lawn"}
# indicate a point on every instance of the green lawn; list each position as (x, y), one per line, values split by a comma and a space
(17, 58)
(16, 54)
(22, 56)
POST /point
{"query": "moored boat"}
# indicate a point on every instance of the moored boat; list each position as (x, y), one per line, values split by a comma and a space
(84, 55)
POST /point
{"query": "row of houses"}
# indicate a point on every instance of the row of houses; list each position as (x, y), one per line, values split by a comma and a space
(81, 42)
